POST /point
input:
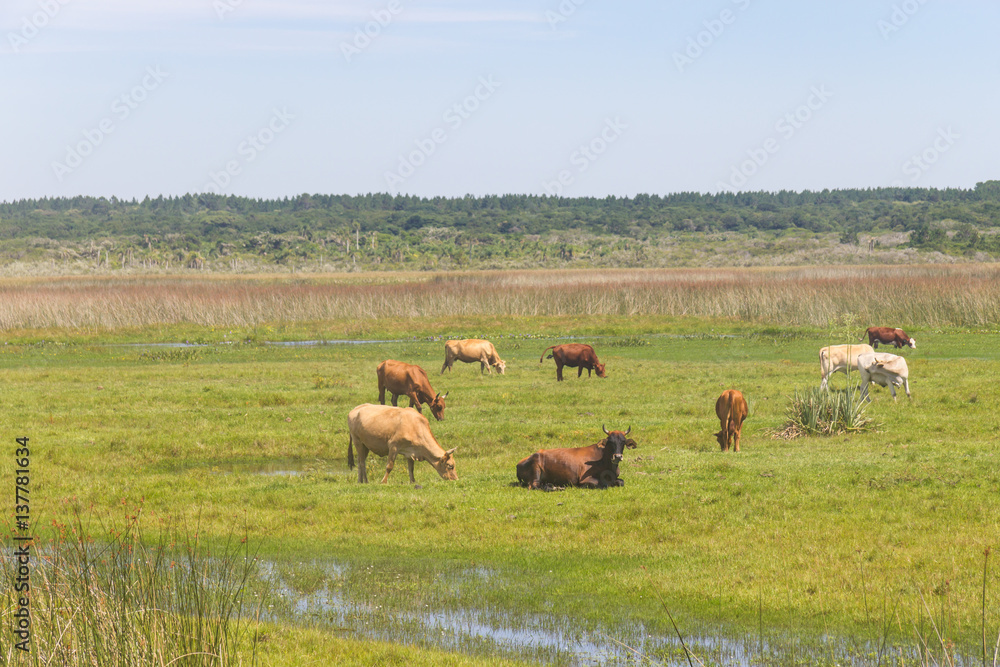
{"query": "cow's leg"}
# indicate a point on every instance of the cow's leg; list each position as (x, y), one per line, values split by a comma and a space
(362, 459)
(381, 394)
(414, 402)
(395, 400)
(390, 463)
(736, 439)
(559, 376)
(445, 366)
(906, 385)
(579, 371)
(409, 469)
(892, 390)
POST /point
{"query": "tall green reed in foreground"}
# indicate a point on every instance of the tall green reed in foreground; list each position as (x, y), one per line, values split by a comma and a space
(110, 598)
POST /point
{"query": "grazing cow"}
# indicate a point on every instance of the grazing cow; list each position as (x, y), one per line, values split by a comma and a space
(839, 358)
(884, 369)
(888, 336)
(595, 467)
(470, 351)
(388, 431)
(731, 409)
(574, 355)
(409, 380)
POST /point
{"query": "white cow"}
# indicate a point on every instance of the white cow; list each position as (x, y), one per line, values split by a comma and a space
(884, 369)
(839, 358)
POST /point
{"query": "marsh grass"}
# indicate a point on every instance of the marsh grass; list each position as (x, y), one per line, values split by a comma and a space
(959, 295)
(110, 597)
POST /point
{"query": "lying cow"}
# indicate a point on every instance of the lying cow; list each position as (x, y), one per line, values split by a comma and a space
(839, 358)
(403, 379)
(388, 431)
(887, 336)
(731, 409)
(885, 370)
(594, 467)
(574, 355)
(470, 351)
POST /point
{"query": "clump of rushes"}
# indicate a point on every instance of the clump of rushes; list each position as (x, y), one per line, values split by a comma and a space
(821, 412)
(106, 597)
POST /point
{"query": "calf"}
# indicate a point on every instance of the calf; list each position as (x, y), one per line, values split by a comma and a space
(888, 336)
(594, 467)
(470, 351)
(886, 370)
(731, 409)
(574, 355)
(389, 431)
(409, 380)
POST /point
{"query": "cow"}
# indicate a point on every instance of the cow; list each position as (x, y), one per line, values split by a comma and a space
(884, 369)
(594, 467)
(888, 336)
(470, 351)
(839, 358)
(731, 409)
(409, 380)
(387, 431)
(574, 355)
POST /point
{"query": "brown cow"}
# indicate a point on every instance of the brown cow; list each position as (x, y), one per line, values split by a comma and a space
(574, 355)
(888, 336)
(470, 351)
(594, 467)
(731, 409)
(388, 431)
(409, 380)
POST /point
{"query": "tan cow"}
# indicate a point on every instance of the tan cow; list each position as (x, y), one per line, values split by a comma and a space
(884, 369)
(731, 408)
(839, 358)
(389, 431)
(470, 351)
(407, 379)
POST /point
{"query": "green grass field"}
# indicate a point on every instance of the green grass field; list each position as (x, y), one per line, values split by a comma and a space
(869, 536)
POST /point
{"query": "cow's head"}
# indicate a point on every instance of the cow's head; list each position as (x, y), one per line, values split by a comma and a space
(614, 445)
(500, 365)
(599, 367)
(446, 465)
(912, 343)
(721, 437)
(437, 406)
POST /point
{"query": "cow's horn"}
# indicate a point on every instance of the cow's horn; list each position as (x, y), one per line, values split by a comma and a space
(605, 430)
(629, 429)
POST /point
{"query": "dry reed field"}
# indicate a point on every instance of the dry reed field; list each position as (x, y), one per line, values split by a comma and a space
(952, 295)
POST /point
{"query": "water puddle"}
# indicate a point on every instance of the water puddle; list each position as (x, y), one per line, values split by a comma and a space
(326, 601)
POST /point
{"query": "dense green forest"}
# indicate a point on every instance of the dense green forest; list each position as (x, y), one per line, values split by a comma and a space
(344, 232)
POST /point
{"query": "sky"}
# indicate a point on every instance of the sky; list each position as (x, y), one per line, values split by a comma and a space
(274, 98)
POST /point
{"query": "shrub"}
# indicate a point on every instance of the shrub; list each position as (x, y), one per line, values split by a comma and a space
(826, 412)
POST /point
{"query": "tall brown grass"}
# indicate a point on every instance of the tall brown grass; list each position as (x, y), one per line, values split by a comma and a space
(957, 295)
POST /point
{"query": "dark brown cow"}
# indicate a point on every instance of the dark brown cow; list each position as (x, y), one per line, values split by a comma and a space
(595, 467)
(574, 355)
(403, 379)
(731, 408)
(888, 336)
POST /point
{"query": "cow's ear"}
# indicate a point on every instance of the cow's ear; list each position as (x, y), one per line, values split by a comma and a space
(601, 444)
(630, 443)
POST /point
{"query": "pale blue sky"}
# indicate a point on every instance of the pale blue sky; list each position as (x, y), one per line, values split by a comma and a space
(270, 98)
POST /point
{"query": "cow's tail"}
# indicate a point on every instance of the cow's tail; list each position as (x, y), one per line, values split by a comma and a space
(350, 451)
(542, 358)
